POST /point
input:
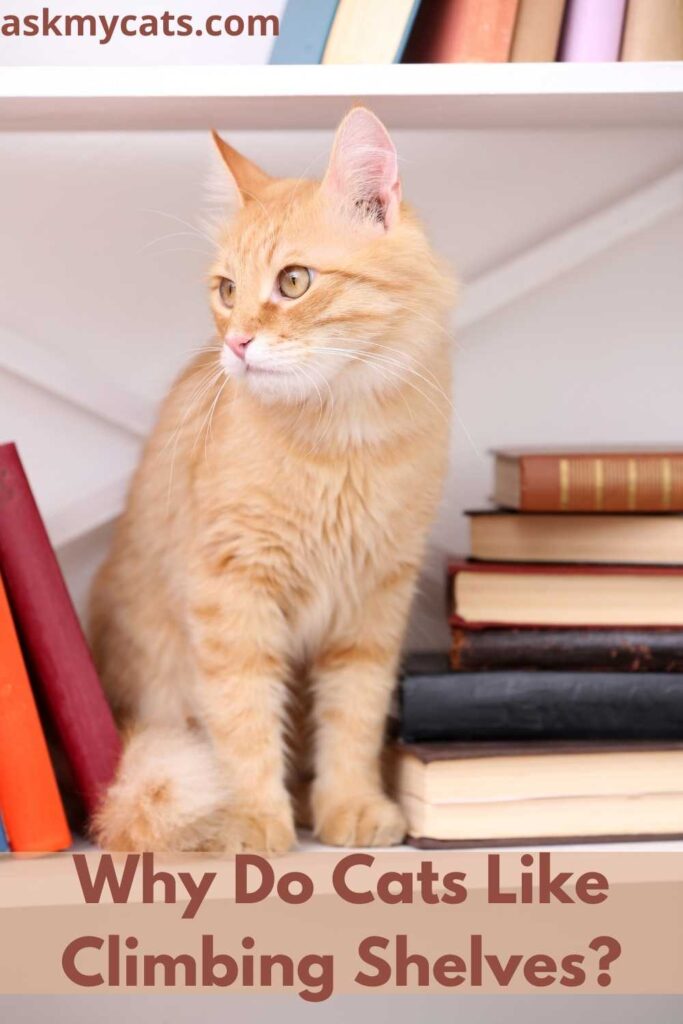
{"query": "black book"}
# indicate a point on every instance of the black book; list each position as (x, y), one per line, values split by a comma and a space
(437, 704)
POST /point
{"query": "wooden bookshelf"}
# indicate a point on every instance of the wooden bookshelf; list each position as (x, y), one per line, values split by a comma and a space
(277, 97)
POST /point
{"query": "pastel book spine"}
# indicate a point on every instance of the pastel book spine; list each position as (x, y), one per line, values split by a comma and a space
(31, 805)
(537, 31)
(528, 705)
(303, 32)
(653, 30)
(575, 650)
(4, 846)
(57, 651)
(592, 31)
(475, 31)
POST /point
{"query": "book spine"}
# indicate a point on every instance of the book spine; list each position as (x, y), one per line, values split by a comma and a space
(602, 483)
(592, 31)
(4, 845)
(56, 648)
(303, 33)
(579, 650)
(476, 31)
(540, 705)
(537, 31)
(31, 806)
(653, 30)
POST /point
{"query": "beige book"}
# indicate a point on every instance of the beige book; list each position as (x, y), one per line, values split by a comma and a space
(586, 817)
(537, 31)
(653, 30)
(482, 792)
(518, 594)
(606, 539)
(368, 33)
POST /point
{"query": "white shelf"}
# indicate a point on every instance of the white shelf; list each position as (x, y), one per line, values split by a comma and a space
(406, 96)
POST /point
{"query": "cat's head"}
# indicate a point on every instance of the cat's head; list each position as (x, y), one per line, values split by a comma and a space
(319, 288)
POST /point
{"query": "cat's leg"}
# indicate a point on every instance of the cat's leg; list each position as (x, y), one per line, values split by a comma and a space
(239, 637)
(354, 682)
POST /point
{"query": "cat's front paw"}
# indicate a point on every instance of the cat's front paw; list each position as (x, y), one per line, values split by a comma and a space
(365, 820)
(258, 831)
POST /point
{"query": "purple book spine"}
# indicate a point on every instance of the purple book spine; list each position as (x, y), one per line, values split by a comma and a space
(592, 30)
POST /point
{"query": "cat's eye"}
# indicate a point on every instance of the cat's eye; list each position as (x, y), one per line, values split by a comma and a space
(226, 290)
(293, 282)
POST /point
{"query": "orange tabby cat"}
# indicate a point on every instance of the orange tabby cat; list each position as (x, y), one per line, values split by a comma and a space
(249, 619)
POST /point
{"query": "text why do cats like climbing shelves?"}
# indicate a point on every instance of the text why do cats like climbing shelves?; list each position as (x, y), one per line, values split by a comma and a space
(394, 961)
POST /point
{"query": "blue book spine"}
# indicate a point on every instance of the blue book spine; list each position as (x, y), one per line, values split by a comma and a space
(406, 32)
(303, 32)
(4, 845)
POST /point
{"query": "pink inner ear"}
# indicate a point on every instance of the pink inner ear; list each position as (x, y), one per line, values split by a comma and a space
(363, 169)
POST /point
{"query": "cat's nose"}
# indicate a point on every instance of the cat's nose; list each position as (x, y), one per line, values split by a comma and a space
(237, 343)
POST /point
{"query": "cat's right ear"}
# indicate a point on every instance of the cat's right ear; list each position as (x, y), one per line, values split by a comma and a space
(246, 178)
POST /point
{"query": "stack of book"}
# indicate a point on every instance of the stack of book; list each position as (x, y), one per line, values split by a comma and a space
(47, 681)
(559, 712)
(488, 31)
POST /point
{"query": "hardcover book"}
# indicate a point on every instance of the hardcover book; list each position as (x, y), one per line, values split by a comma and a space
(4, 847)
(602, 538)
(527, 705)
(32, 809)
(374, 33)
(455, 31)
(457, 794)
(574, 650)
(531, 594)
(57, 653)
(537, 31)
(592, 31)
(590, 481)
(304, 29)
(653, 30)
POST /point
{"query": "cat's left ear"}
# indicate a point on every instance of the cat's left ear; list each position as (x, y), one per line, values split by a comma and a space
(248, 179)
(363, 169)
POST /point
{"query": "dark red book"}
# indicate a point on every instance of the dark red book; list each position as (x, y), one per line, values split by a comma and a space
(53, 641)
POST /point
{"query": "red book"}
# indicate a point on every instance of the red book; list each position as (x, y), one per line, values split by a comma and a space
(31, 806)
(453, 31)
(56, 650)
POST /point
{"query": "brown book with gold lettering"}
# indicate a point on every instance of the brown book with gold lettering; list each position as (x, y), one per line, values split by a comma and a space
(597, 480)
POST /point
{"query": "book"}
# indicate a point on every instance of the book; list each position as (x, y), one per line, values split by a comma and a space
(4, 847)
(537, 31)
(31, 805)
(653, 30)
(592, 31)
(620, 538)
(440, 705)
(375, 33)
(531, 594)
(575, 650)
(617, 480)
(457, 31)
(57, 653)
(304, 29)
(539, 792)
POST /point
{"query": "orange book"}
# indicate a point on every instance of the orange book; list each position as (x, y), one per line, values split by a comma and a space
(469, 30)
(31, 805)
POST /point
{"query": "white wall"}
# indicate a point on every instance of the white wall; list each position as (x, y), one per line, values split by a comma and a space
(88, 275)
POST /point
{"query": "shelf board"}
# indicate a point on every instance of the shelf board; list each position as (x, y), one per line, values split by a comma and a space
(406, 96)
